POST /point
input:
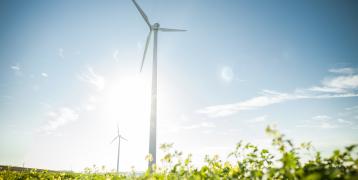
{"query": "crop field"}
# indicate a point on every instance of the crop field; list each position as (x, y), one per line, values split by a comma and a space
(246, 161)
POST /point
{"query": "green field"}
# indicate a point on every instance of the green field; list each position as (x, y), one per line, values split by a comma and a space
(246, 161)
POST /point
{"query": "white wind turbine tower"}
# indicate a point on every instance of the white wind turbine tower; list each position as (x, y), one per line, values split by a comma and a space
(119, 145)
(153, 115)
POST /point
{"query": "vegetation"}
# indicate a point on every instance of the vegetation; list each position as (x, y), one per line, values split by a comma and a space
(247, 161)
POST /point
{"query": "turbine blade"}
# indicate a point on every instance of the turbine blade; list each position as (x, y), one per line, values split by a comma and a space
(171, 30)
(114, 139)
(145, 17)
(123, 138)
(145, 49)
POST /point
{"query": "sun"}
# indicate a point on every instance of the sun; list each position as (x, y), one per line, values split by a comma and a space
(126, 101)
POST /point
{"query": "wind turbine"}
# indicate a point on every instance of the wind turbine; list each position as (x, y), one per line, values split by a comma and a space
(153, 114)
(119, 145)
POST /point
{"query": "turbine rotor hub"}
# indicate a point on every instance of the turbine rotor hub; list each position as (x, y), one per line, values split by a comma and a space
(156, 26)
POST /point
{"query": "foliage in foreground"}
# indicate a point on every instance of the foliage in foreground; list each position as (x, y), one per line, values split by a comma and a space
(247, 161)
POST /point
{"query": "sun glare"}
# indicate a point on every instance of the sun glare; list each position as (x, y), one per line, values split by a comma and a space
(126, 98)
(126, 102)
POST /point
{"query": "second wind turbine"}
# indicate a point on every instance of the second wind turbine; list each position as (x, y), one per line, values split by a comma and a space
(153, 114)
(119, 145)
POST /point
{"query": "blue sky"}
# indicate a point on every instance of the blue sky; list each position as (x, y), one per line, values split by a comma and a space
(70, 73)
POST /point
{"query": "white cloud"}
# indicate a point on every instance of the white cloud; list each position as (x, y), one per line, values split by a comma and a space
(268, 98)
(321, 117)
(115, 55)
(343, 121)
(60, 53)
(327, 125)
(200, 125)
(263, 101)
(58, 118)
(93, 78)
(320, 121)
(17, 69)
(258, 119)
(327, 122)
(45, 75)
(338, 84)
(326, 89)
(343, 71)
(227, 74)
(338, 87)
(343, 82)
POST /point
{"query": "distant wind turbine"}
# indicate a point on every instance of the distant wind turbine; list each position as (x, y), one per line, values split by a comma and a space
(119, 145)
(153, 115)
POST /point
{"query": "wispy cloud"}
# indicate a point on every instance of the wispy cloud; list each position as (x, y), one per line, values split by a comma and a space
(346, 81)
(258, 119)
(343, 121)
(267, 98)
(321, 117)
(93, 78)
(58, 118)
(340, 84)
(45, 75)
(343, 70)
(337, 87)
(200, 125)
(327, 122)
(17, 69)
(61, 53)
(320, 121)
(115, 55)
